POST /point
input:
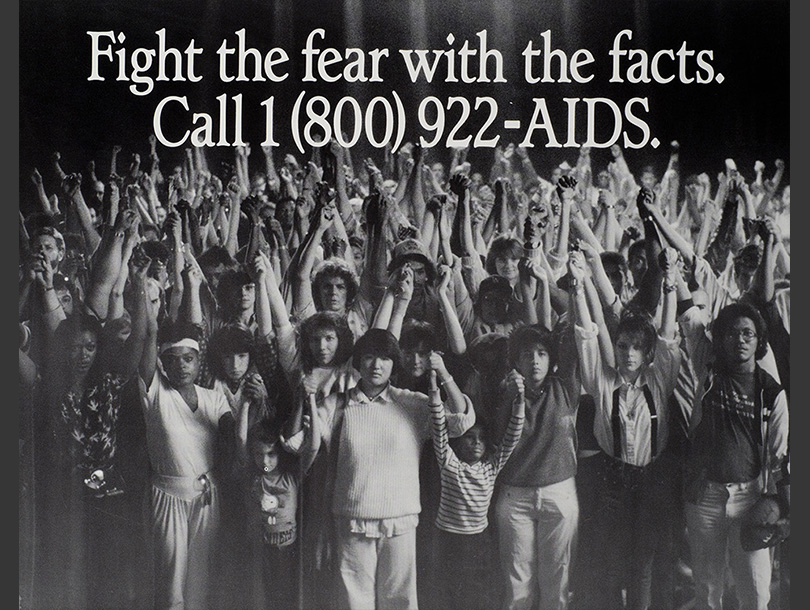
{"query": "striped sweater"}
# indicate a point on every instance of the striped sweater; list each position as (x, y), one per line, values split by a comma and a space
(467, 488)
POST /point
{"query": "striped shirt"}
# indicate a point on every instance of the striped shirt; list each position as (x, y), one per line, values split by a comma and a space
(467, 488)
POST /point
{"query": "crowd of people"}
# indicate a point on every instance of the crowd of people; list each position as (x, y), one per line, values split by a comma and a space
(407, 382)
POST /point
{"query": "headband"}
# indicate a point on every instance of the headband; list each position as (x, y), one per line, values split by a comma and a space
(182, 343)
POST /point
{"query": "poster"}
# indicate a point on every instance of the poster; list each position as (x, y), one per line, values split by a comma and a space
(710, 79)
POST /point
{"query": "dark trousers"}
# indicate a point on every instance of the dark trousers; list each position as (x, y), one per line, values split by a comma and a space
(634, 528)
(465, 565)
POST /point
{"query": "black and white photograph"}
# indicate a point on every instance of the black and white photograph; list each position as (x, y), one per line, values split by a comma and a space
(399, 305)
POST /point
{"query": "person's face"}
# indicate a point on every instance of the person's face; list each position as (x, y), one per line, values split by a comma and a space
(94, 217)
(438, 172)
(65, 300)
(470, 446)
(740, 341)
(477, 179)
(631, 354)
(324, 345)
(159, 272)
(182, 364)
(648, 179)
(743, 275)
(638, 266)
(285, 212)
(493, 307)
(247, 297)
(375, 371)
(359, 259)
(555, 175)
(48, 245)
(265, 457)
(333, 293)
(161, 215)
(416, 361)
(98, 190)
(534, 363)
(213, 273)
(603, 180)
(236, 365)
(614, 274)
(83, 350)
(258, 186)
(507, 267)
(419, 273)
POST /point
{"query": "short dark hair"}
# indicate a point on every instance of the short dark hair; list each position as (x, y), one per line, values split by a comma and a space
(175, 330)
(217, 255)
(155, 250)
(524, 337)
(502, 246)
(379, 342)
(416, 334)
(228, 289)
(227, 340)
(330, 320)
(334, 267)
(726, 317)
(633, 249)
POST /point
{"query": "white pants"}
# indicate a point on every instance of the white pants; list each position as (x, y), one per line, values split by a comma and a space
(713, 528)
(184, 529)
(536, 529)
(377, 572)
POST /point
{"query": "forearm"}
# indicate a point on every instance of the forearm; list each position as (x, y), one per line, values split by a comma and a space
(106, 267)
(382, 315)
(455, 334)
(398, 312)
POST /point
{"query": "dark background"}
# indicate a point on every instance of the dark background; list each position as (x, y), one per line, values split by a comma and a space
(746, 117)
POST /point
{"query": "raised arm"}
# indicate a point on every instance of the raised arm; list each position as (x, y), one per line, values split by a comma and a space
(106, 265)
(452, 324)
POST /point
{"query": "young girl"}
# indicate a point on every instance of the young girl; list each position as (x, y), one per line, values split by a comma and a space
(272, 504)
(468, 474)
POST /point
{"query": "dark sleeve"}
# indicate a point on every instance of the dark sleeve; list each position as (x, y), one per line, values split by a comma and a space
(279, 392)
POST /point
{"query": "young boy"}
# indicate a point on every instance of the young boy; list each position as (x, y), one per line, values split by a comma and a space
(468, 473)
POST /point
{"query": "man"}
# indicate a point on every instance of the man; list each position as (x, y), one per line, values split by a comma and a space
(184, 423)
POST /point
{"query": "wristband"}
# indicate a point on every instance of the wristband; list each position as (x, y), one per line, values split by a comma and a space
(573, 282)
(49, 288)
(669, 287)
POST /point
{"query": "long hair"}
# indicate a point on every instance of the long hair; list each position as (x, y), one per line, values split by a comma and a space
(328, 320)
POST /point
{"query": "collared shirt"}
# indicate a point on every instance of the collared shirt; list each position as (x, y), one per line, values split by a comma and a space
(601, 381)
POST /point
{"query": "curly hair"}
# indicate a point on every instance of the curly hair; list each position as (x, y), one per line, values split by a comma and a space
(325, 320)
(334, 267)
(725, 320)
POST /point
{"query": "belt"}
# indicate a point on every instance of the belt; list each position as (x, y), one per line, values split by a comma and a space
(185, 488)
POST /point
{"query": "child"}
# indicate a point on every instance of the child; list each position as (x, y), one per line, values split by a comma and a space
(272, 504)
(468, 474)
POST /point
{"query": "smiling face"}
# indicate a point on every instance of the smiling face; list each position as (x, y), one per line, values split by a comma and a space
(470, 446)
(507, 267)
(182, 364)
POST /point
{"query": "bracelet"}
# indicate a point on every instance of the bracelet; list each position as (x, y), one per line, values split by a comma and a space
(49, 288)
(573, 282)
(58, 305)
(670, 287)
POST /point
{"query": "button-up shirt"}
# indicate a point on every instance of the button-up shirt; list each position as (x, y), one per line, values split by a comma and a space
(601, 381)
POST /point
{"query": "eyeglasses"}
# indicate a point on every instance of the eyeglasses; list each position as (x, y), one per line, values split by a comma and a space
(746, 334)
